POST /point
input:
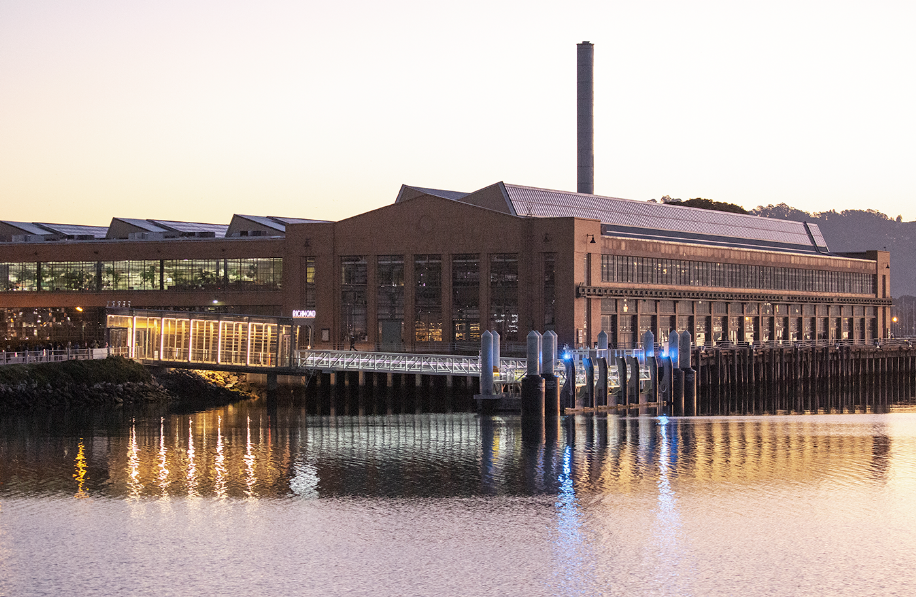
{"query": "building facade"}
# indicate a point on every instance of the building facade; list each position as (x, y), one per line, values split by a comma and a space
(433, 270)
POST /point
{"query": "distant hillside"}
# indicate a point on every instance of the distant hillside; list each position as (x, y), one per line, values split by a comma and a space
(858, 230)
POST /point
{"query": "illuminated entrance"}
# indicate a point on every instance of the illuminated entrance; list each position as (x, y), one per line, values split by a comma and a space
(207, 338)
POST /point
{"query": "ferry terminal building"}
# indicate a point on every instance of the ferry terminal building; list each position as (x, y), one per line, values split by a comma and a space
(436, 268)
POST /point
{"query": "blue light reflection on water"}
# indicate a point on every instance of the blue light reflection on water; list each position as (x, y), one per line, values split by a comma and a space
(667, 528)
(569, 547)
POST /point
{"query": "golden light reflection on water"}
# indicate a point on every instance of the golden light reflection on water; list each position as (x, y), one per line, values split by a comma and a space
(250, 478)
(135, 487)
(253, 454)
(163, 476)
(220, 463)
(192, 465)
(80, 474)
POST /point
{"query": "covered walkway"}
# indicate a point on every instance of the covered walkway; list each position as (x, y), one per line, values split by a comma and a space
(202, 338)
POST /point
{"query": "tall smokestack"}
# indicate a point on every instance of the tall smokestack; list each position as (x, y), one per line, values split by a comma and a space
(585, 112)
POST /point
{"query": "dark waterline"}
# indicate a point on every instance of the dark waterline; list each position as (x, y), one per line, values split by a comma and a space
(245, 498)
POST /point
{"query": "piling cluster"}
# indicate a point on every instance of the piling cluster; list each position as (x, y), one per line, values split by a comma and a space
(805, 379)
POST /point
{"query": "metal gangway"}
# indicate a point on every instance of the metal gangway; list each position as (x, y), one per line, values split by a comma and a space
(511, 369)
(508, 379)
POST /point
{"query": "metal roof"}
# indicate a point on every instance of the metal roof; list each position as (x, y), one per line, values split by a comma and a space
(296, 220)
(454, 195)
(27, 227)
(218, 229)
(659, 221)
(75, 229)
(264, 221)
(143, 224)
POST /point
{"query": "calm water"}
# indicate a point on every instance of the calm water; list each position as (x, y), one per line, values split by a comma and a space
(243, 499)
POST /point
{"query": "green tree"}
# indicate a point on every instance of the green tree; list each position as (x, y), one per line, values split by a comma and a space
(702, 203)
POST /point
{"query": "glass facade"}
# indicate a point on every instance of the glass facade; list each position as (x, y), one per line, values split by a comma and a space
(466, 297)
(679, 272)
(427, 298)
(354, 272)
(504, 295)
(254, 274)
(52, 326)
(550, 290)
(170, 336)
(18, 277)
(730, 324)
(389, 300)
(309, 297)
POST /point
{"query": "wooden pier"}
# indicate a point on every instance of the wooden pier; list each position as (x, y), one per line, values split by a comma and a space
(842, 378)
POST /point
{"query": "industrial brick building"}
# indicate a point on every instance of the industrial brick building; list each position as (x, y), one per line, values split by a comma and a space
(434, 269)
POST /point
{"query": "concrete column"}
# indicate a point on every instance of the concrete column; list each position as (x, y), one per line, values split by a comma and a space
(601, 385)
(551, 385)
(622, 379)
(533, 383)
(633, 367)
(486, 363)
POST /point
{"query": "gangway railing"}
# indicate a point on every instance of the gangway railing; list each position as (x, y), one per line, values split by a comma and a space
(388, 362)
(511, 369)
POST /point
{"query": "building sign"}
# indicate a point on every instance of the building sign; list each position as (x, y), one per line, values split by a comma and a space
(303, 313)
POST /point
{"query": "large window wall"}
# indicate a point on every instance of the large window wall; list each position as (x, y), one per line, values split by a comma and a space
(309, 290)
(354, 281)
(254, 273)
(680, 272)
(428, 298)
(504, 295)
(389, 300)
(55, 327)
(550, 290)
(718, 323)
(466, 297)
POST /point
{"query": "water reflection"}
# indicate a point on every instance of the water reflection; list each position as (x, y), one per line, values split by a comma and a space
(569, 545)
(667, 527)
(163, 472)
(219, 464)
(192, 466)
(250, 477)
(459, 504)
(135, 487)
(80, 474)
(239, 451)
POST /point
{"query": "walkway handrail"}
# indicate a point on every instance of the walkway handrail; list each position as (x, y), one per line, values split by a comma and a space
(388, 362)
(27, 357)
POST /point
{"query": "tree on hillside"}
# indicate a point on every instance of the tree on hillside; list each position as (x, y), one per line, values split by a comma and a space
(782, 212)
(713, 205)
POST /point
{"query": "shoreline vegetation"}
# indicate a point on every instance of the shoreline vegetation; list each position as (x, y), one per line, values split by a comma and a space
(114, 382)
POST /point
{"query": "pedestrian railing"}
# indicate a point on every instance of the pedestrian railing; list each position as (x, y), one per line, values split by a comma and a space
(24, 357)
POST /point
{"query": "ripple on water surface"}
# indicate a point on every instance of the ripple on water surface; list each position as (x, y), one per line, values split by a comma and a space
(242, 498)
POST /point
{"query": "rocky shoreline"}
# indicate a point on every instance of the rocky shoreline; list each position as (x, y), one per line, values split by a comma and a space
(114, 382)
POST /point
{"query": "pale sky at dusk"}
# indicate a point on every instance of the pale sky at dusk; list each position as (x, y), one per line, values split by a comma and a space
(197, 110)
